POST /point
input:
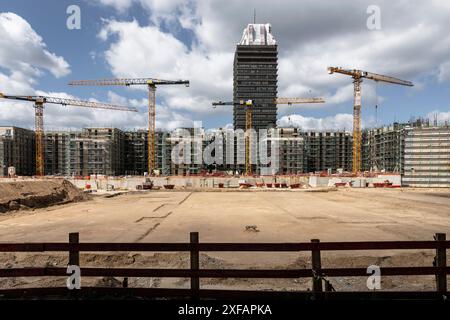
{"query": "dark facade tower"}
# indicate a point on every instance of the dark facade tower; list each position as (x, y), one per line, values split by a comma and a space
(255, 76)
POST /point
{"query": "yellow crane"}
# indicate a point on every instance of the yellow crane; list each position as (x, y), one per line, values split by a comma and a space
(151, 83)
(39, 102)
(248, 104)
(358, 76)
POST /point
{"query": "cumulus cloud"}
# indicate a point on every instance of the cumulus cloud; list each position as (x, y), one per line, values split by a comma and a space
(440, 116)
(119, 5)
(444, 72)
(337, 122)
(77, 117)
(23, 50)
(166, 118)
(412, 44)
(58, 117)
(159, 11)
(24, 57)
(209, 74)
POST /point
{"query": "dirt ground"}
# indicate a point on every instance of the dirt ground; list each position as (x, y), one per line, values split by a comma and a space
(37, 194)
(288, 216)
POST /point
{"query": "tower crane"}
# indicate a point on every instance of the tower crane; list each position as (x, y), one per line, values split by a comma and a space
(151, 83)
(39, 102)
(358, 76)
(248, 104)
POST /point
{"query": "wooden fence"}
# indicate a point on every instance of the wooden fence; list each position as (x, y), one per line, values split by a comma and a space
(321, 287)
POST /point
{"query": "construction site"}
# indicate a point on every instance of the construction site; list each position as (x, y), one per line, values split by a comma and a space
(109, 185)
(417, 151)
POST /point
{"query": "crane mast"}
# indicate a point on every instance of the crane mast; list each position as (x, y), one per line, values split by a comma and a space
(39, 132)
(151, 154)
(248, 104)
(358, 76)
(151, 84)
(39, 102)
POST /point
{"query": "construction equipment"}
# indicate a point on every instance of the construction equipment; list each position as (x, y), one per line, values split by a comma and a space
(146, 185)
(357, 76)
(151, 83)
(248, 104)
(39, 102)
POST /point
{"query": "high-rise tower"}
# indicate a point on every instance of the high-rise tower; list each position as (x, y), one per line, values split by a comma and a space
(255, 76)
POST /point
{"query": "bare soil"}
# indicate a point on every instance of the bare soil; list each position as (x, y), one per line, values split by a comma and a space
(169, 216)
(37, 194)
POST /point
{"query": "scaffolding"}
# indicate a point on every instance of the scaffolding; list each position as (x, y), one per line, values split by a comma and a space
(136, 150)
(427, 156)
(383, 148)
(328, 151)
(17, 147)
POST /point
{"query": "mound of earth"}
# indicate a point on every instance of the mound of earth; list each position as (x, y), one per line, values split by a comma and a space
(37, 194)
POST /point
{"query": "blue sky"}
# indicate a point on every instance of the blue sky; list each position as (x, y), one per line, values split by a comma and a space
(195, 40)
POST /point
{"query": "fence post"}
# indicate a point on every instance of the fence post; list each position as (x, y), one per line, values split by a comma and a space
(74, 254)
(441, 262)
(316, 268)
(195, 263)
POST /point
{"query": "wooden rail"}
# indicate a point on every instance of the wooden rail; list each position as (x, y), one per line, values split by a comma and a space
(318, 274)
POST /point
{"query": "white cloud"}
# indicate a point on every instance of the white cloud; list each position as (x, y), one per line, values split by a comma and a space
(337, 122)
(165, 117)
(440, 116)
(413, 44)
(444, 72)
(24, 56)
(153, 51)
(23, 50)
(209, 74)
(57, 117)
(158, 10)
(119, 5)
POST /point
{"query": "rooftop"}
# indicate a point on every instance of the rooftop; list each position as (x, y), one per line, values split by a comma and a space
(258, 34)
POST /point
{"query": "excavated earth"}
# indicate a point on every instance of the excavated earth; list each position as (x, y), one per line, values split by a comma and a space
(37, 194)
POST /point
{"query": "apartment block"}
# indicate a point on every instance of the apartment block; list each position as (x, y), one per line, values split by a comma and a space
(383, 148)
(106, 150)
(61, 153)
(327, 151)
(136, 152)
(187, 145)
(426, 157)
(291, 151)
(90, 151)
(17, 149)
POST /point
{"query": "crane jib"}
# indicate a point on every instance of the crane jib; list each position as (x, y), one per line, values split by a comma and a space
(65, 102)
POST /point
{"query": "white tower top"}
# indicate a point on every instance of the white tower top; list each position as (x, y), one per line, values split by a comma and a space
(258, 34)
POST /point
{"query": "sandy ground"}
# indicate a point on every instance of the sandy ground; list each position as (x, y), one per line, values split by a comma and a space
(37, 194)
(290, 216)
